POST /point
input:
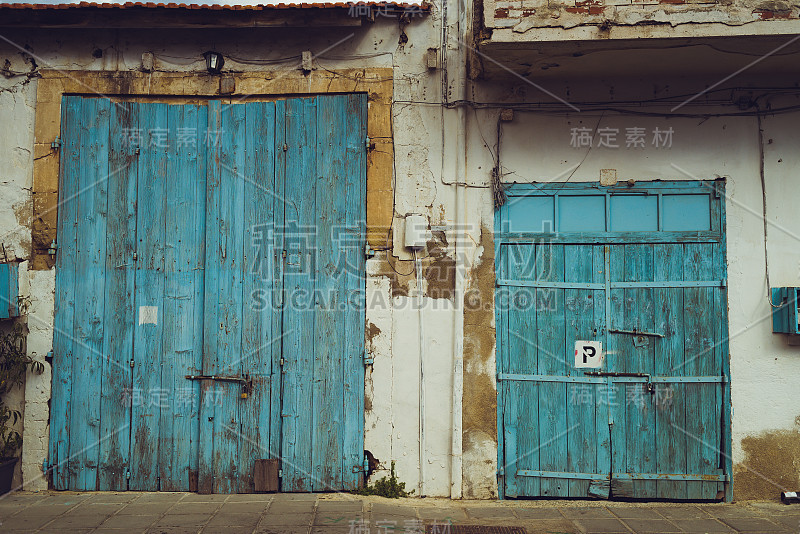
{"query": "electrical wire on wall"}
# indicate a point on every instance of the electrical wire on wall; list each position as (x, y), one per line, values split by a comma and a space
(764, 207)
(420, 303)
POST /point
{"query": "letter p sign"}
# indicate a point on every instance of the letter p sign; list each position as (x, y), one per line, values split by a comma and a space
(588, 354)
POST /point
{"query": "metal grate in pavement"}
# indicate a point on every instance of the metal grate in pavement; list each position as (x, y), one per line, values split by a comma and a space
(472, 529)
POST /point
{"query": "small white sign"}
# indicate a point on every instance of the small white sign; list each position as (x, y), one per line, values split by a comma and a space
(588, 354)
(148, 314)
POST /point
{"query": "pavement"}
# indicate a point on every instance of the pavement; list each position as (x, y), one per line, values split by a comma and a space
(108, 512)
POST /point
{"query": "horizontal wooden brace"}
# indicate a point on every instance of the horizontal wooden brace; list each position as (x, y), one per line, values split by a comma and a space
(603, 379)
(614, 285)
(719, 477)
(603, 238)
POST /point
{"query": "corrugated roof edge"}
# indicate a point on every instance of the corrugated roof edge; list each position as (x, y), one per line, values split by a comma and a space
(233, 7)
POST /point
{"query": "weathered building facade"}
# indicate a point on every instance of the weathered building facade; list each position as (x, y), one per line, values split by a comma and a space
(443, 204)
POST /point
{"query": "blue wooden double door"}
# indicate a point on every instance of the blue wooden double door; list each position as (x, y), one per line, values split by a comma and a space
(209, 294)
(641, 271)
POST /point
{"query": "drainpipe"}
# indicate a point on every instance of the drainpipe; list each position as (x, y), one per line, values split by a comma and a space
(455, 29)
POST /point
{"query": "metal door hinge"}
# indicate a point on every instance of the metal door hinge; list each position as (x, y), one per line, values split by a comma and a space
(53, 248)
(56, 144)
(283, 361)
(283, 254)
(127, 474)
(368, 359)
(131, 362)
(369, 252)
(280, 473)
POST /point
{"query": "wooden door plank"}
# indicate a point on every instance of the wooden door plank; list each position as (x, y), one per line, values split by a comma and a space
(211, 305)
(521, 403)
(260, 343)
(301, 173)
(227, 423)
(184, 220)
(618, 348)
(506, 482)
(669, 398)
(353, 292)
(329, 322)
(149, 296)
(90, 293)
(66, 260)
(119, 312)
(280, 205)
(580, 325)
(639, 403)
(702, 421)
(603, 462)
(551, 325)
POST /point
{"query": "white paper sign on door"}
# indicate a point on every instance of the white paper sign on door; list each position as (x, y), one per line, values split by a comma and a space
(588, 354)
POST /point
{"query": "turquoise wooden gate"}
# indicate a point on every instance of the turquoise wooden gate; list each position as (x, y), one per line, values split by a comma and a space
(193, 242)
(640, 269)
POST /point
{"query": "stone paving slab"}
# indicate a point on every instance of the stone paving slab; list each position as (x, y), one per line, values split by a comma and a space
(188, 513)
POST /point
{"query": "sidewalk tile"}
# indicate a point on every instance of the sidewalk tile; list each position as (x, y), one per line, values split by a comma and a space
(752, 524)
(271, 520)
(682, 512)
(701, 525)
(538, 513)
(452, 513)
(602, 526)
(237, 520)
(252, 507)
(130, 521)
(137, 508)
(635, 513)
(651, 526)
(595, 512)
(184, 508)
(490, 512)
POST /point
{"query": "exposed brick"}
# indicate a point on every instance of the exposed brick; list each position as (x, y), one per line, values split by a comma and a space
(501, 13)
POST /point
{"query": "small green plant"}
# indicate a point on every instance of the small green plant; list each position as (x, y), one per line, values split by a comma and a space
(14, 363)
(386, 487)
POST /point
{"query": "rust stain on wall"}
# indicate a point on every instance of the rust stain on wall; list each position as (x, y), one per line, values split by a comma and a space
(480, 395)
(771, 464)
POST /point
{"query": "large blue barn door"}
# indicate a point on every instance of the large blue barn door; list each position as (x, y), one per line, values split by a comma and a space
(178, 359)
(640, 270)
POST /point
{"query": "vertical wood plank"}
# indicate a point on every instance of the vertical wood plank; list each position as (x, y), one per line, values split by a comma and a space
(702, 420)
(119, 313)
(551, 325)
(227, 423)
(260, 343)
(603, 462)
(184, 219)
(66, 260)
(669, 399)
(89, 293)
(299, 317)
(580, 325)
(641, 429)
(329, 323)
(149, 297)
(278, 301)
(353, 293)
(521, 403)
(618, 348)
(211, 305)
